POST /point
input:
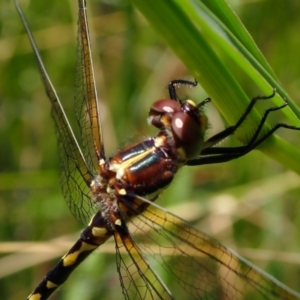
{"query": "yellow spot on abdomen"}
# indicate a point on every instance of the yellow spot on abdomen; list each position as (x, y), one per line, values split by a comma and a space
(35, 297)
(51, 285)
(118, 222)
(70, 259)
(99, 231)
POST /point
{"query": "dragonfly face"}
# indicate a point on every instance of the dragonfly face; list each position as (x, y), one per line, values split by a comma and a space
(116, 196)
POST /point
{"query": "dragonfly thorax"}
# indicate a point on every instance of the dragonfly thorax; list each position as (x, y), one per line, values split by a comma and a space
(142, 168)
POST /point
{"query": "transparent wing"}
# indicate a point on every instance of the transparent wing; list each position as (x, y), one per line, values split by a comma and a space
(76, 175)
(75, 189)
(138, 279)
(86, 101)
(201, 267)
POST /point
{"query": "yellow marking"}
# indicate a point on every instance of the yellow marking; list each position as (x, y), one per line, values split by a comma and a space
(118, 222)
(203, 121)
(99, 231)
(191, 102)
(114, 167)
(70, 259)
(181, 153)
(92, 183)
(165, 119)
(120, 168)
(159, 141)
(35, 297)
(109, 190)
(122, 192)
(51, 285)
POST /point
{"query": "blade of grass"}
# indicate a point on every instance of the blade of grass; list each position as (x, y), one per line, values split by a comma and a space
(225, 14)
(242, 50)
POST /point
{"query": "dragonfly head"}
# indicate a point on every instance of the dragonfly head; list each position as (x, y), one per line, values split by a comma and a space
(184, 121)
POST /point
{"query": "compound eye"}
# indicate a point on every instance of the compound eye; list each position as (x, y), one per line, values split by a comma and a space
(165, 106)
(188, 133)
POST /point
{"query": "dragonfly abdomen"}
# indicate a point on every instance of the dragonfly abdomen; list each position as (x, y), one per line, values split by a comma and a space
(94, 235)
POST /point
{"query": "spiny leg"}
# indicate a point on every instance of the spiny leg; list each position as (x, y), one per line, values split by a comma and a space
(231, 129)
(212, 155)
(177, 82)
(253, 140)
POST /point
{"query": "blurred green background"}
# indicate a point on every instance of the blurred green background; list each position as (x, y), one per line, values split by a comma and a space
(250, 204)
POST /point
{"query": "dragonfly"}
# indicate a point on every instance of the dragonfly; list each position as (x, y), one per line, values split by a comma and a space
(116, 196)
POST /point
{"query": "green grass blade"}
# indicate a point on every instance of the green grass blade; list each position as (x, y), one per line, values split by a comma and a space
(225, 14)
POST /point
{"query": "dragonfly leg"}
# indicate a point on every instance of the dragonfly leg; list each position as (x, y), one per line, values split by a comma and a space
(212, 154)
(177, 82)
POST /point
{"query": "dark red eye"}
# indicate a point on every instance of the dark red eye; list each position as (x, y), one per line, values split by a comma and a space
(188, 134)
(165, 106)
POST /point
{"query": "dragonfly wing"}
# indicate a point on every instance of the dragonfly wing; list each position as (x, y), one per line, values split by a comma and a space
(138, 279)
(76, 189)
(201, 267)
(76, 175)
(86, 100)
